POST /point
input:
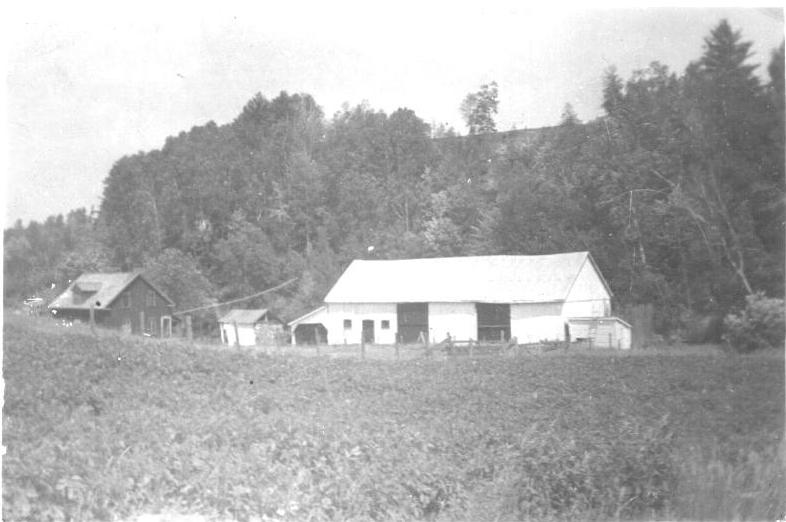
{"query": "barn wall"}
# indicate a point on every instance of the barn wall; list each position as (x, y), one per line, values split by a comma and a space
(533, 322)
(588, 297)
(623, 336)
(458, 319)
(357, 313)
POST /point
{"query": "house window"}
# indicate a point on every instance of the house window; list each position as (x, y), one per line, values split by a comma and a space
(125, 301)
(385, 325)
(347, 324)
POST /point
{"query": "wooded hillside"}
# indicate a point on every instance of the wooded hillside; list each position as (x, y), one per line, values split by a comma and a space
(677, 191)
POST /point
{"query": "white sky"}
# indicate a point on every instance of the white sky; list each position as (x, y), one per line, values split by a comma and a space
(85, 89)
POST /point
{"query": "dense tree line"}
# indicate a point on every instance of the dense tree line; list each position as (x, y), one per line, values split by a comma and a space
(677, 190)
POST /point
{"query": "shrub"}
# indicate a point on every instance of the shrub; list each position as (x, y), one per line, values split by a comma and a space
(759, 325)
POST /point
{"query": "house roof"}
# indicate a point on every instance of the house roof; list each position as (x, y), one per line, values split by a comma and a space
(490, 279)
(107, 287)
(243, 316)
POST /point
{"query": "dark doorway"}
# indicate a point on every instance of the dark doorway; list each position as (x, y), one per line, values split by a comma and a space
(368, 331)
(412, 321)
(313, 333)
(493, 321)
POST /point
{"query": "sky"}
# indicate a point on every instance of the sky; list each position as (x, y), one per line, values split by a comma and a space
(83, 90)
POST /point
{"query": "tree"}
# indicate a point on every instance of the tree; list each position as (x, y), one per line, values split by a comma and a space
(480, 108)
(569, 116)
(725, 111)
(179, 277)
(612, 91)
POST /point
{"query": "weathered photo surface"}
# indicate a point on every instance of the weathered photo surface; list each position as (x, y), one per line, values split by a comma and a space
(434, 262)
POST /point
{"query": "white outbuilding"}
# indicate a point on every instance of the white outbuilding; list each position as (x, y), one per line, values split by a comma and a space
(531, 298)
(249, 327)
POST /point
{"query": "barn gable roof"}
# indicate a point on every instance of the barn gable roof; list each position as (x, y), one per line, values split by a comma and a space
(240, 316)
(490, 279)
(102, 290)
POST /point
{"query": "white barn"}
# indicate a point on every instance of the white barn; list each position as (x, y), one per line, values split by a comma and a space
(532, 298)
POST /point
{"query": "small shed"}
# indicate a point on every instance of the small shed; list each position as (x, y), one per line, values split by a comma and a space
(602, 332)
(250, 327)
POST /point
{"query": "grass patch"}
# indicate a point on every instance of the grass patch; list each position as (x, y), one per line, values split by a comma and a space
(108, 427)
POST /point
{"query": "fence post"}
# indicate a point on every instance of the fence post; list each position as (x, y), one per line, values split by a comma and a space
(237, 335)
(92, 318)
(189, 329)
(610, 345)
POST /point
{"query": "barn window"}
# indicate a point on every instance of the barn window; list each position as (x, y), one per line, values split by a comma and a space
(347, 324)
(385, 325)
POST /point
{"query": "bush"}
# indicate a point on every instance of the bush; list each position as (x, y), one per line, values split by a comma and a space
(759, 325)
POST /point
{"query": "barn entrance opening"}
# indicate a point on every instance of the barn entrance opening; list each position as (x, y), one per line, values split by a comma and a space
(493, 321)
(368, 331)
(310, 333)
(412, 321)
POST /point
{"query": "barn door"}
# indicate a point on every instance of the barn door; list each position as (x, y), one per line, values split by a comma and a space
(368, 331)
(412, 321)
(493, 321)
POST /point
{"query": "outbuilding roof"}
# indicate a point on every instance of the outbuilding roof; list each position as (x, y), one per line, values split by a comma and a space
(490, 279)
(243, 316)
(100, 289)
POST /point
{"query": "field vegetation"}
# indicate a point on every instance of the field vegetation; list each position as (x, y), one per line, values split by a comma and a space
(109, 427)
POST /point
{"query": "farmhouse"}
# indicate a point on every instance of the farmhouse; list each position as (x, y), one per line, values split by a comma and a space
(249, 327)
(486, 298)
(125, 300)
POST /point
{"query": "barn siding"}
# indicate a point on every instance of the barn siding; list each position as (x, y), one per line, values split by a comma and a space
(336, 313)
(457, 319)
(588, 297)
(534, 322)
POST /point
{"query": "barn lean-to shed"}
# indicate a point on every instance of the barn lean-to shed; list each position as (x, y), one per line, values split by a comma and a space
(531, 298)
